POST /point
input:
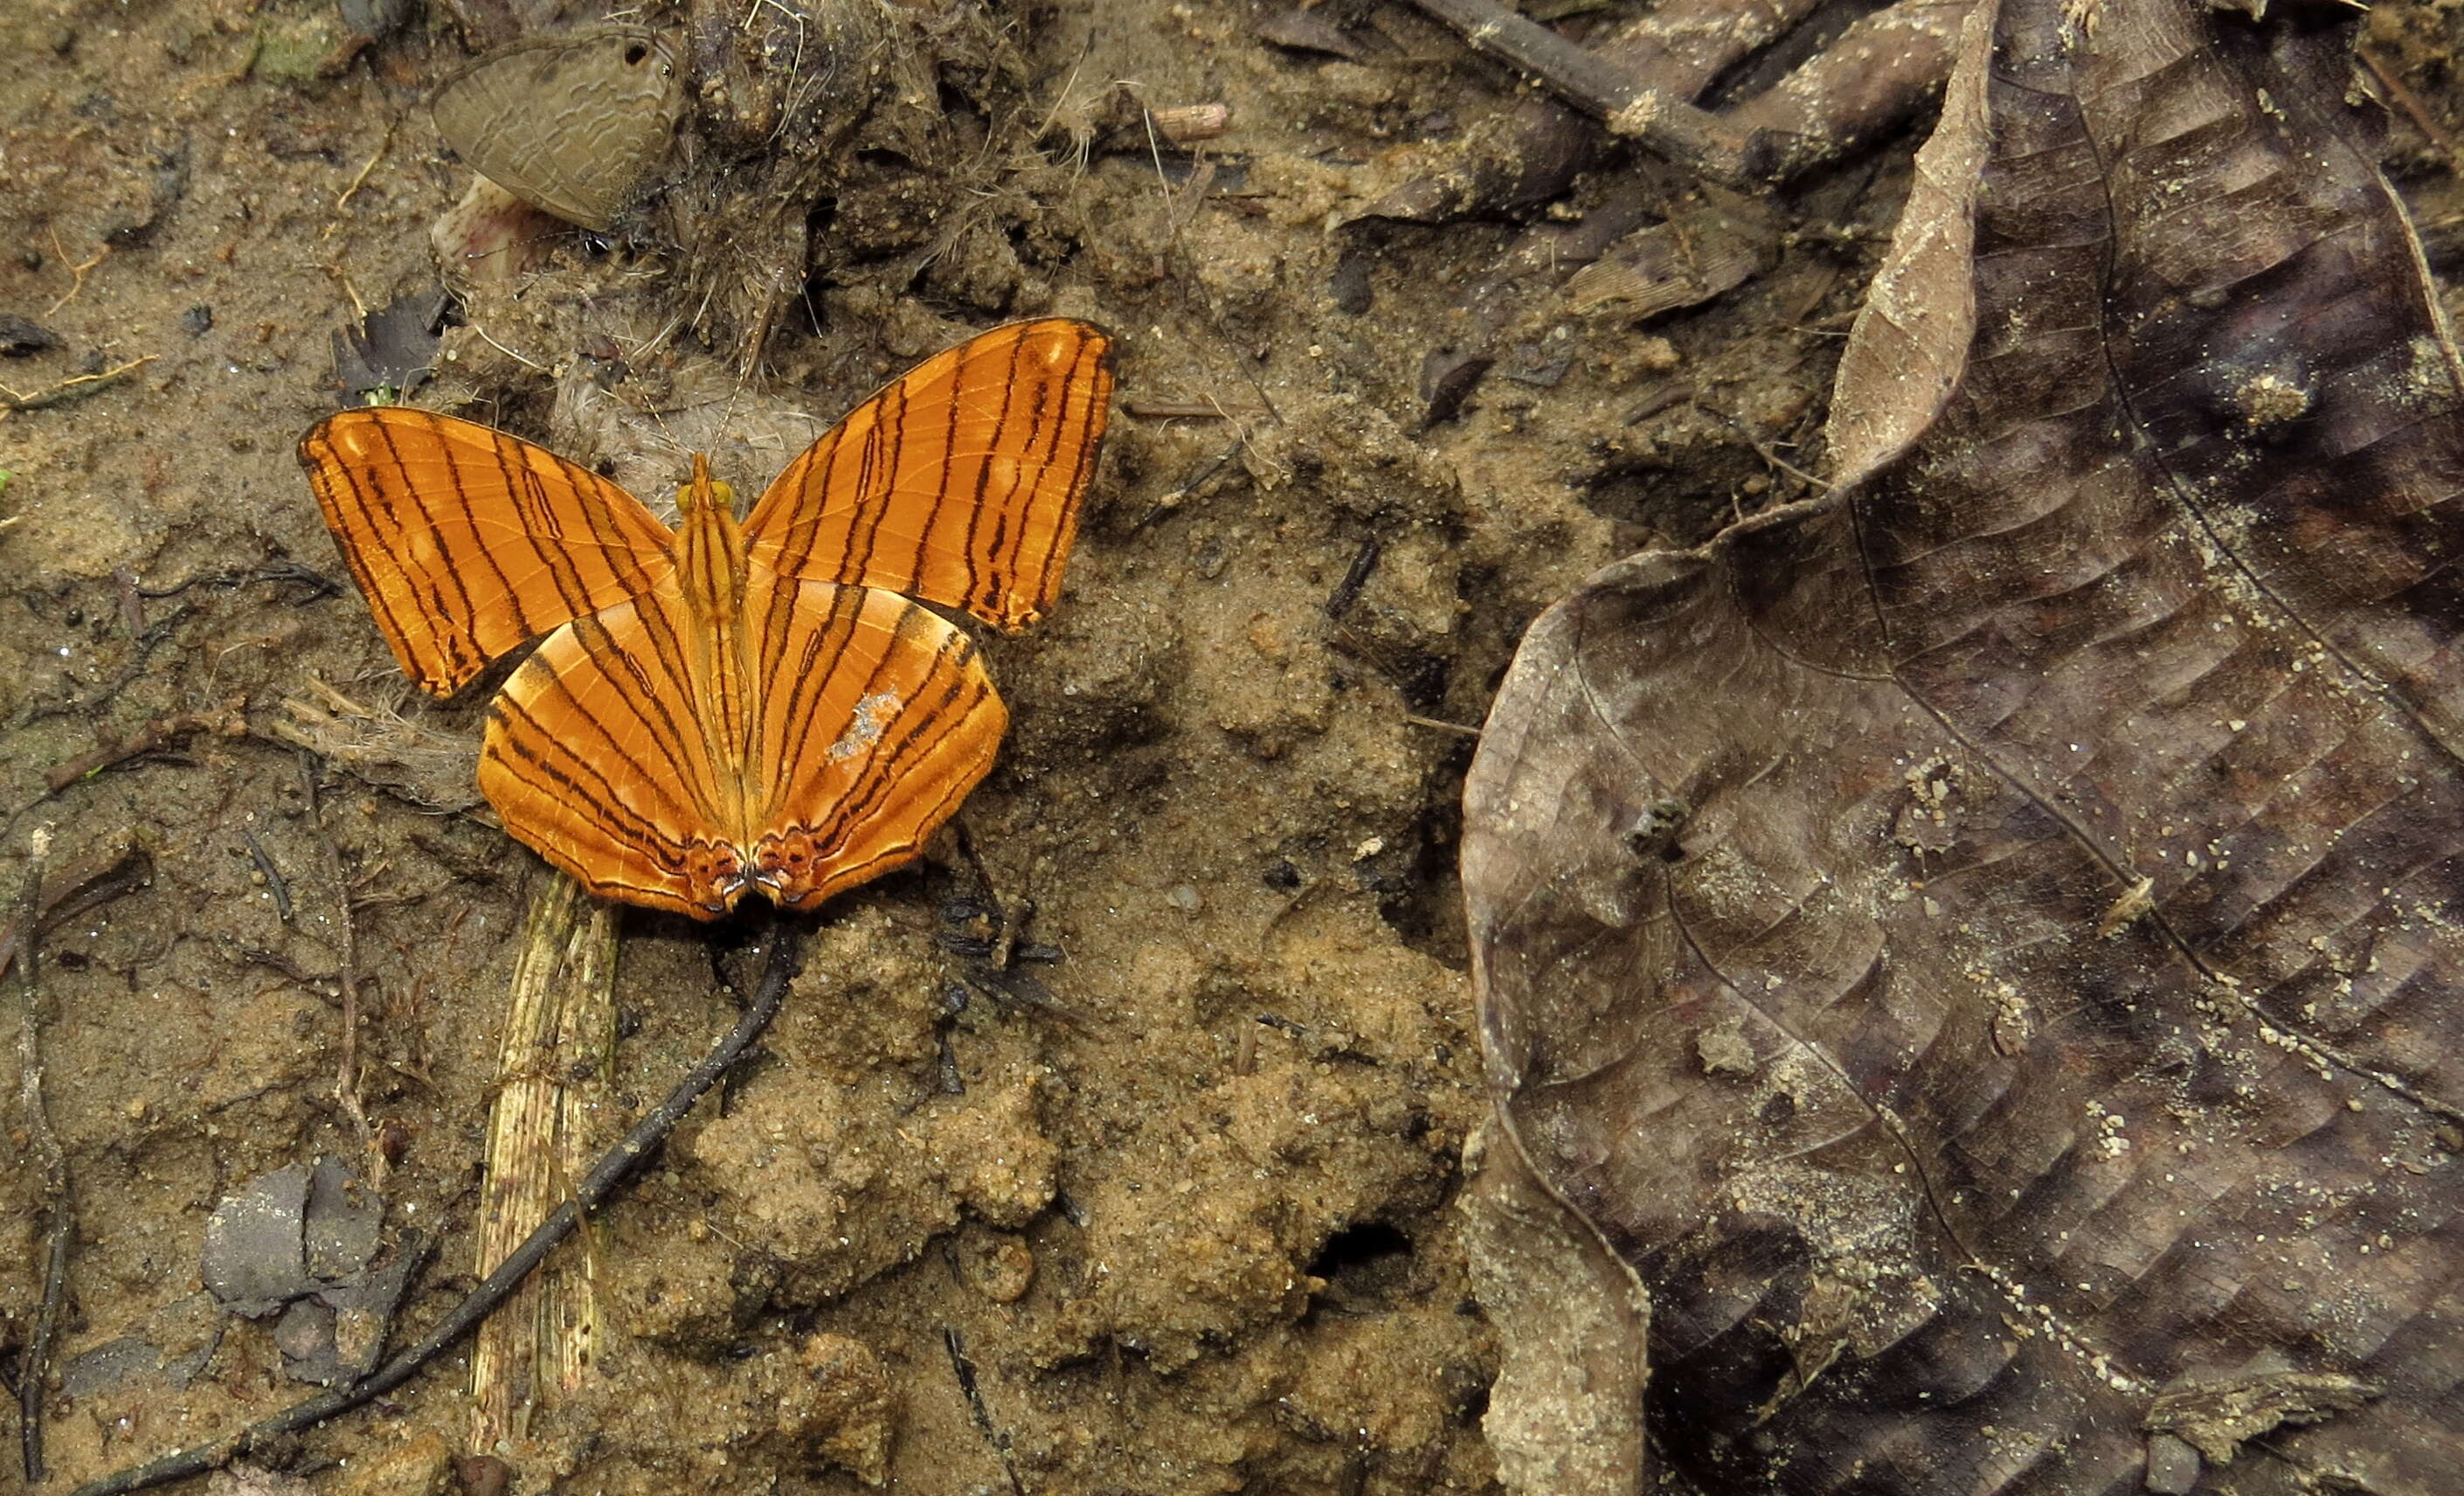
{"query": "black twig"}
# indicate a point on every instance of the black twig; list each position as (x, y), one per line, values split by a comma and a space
(274, 883)
(119, 869)
(1666, 125)
(1364, 564)
(646, 1135)
(45, 1150)
(965, 1371)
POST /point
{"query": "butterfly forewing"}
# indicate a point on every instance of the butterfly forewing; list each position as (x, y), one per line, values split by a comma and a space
(875, 719)
(595, 756)
(469, 542)
(957, 483)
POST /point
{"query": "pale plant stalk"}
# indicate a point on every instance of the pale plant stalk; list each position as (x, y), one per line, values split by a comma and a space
(560, 1016)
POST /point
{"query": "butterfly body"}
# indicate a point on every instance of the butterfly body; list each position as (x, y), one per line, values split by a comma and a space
(732, 707)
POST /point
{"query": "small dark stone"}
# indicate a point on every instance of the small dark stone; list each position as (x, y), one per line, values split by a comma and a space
(1298, 29)
(1535, 366)
(304, 1334)
(253, 1260)
(197, 320)
(21, 338)
(1349, 286)
(363, 1311)
(1209, 559)
(376, 19)
(107, 1366)
(1447, 379)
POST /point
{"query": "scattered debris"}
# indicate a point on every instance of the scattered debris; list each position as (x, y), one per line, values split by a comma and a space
(42, 1147)
(121, 867)
(378, 745)
(300, 1242)
(613, 1167)
(153, 737)
(393, 346)
(1186, 124)
(2217, 1418)
(249, 1480)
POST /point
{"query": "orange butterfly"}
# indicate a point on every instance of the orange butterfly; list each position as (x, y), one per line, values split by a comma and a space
(737, 706)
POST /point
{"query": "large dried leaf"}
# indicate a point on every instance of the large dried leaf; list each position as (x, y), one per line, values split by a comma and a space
(1983, 943)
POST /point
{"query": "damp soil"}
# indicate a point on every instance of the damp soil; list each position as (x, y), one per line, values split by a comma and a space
(1162, 1205)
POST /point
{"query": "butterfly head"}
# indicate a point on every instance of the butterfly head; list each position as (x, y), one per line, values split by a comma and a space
(705, 492)
(715, 877)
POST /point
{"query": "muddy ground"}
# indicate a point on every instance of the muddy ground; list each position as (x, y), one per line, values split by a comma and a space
(1186, 1227)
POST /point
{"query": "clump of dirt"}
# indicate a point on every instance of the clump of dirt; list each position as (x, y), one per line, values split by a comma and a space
(1162, 1205)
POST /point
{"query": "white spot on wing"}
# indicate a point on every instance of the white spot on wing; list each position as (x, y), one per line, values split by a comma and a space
(864, 730)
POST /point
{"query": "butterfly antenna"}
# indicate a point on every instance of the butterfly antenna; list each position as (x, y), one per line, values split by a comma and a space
(735, 396)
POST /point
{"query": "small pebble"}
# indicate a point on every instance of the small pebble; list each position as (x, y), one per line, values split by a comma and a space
(484, 1475)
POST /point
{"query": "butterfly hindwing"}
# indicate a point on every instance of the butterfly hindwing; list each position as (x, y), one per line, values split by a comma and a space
(875, 719)
(469, 542)
(958, 483)
(595, 754)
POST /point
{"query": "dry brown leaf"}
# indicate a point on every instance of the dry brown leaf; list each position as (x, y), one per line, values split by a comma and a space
(2051, 831)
